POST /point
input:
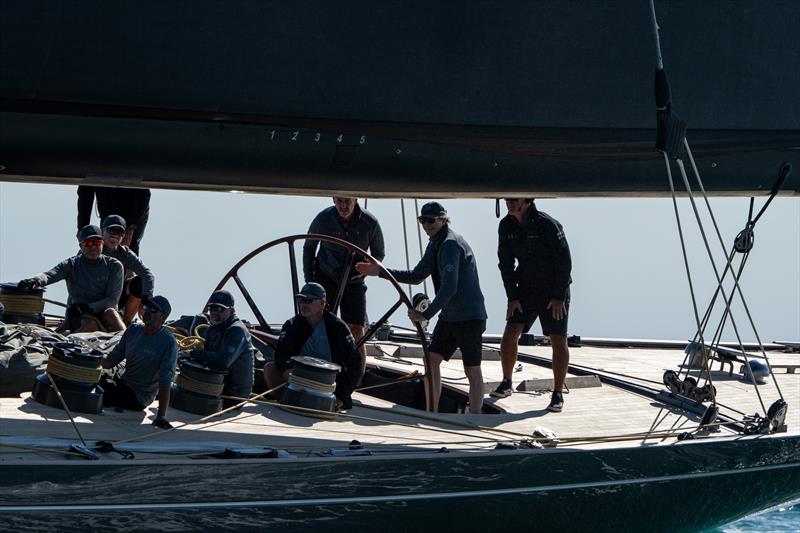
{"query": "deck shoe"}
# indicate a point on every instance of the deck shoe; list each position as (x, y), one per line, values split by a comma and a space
(556, 402)
(503, 390)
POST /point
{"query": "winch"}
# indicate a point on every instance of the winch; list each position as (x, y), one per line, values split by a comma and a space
(312, 382)
(76, 373)
(197, 388)
(22, 306)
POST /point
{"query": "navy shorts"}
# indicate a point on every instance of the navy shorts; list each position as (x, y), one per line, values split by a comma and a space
(465, 334)
(535, 306)
(353, 307)
(74, 319)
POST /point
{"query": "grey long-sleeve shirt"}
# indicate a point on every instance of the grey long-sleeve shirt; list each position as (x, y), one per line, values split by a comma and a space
(364, 231)
(150, 361)
(450, 261)
(130, 261)
(97, 283)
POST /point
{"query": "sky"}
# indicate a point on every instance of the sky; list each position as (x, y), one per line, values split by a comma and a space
(629, 279)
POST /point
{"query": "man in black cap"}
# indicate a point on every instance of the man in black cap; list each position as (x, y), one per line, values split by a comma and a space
(139, 280)
(346, 220)
(94, 284)
(150, 353)
(449, 260)
(132, 204)
(228, 347)
(535, 265)
(316, 332)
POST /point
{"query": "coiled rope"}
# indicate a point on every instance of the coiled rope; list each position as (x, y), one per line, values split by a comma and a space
(81, 374)
(22, 304)
(186, 341)
(311, 384)
(200, 387)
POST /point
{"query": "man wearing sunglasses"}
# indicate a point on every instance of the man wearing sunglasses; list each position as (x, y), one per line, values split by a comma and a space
(150, 353)
(535, 265)
(94, 284)
(139, 280)
(228, 347)
(449, 260)
(346, 220)
(316, 332)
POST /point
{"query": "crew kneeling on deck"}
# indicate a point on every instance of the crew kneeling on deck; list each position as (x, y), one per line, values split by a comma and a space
(150, 353)
(316, 332)
(228, 347)
(449, 260)
(94, 284)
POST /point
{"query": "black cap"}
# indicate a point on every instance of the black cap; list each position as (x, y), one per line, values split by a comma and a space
(433, 209)
(160, 303)
(89, 232)
(223, 298)
(315, 291)
(113, 221)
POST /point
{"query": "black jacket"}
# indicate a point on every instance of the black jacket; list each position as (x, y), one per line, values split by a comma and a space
(295, 333)
(228, 347)
(540, 250)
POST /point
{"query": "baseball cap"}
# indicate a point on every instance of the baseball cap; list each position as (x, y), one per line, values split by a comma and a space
(113, 221)
(160, 303)
(89, 232)
(314, 291)
(223, 298)
(433, 209)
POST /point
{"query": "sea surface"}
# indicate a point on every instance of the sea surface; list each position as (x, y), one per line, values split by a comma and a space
(785, 517)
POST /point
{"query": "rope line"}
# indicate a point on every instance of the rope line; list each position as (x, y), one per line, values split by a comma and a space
(22, 304)
(72, 372)
(194, 385)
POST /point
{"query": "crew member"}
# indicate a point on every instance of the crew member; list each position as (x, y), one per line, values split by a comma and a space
(131, 204)
(94, 285)
(535, 265)
(346, 220)
(316, 332)
(228, 347)
(449, 260)
(150, 353)
(139, 283)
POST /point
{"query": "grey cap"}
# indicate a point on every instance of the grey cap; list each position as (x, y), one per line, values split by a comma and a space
(113, 221)
(433, 209)
(314, 291)
(223, 298)
(89, 232)
(160, 303)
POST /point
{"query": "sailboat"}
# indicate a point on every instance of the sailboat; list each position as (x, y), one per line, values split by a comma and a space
(476, 100)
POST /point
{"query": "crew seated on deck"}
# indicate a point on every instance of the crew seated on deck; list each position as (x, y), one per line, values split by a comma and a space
(150, 353)
(228, 346)
(319, 333)
(94, 284)
(139, 280)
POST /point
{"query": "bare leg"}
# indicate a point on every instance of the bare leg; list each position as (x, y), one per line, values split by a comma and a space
(132, 305)
(475, 377)
(560, 360)
(436, 380)
(509, 346)
(358, 332)
(88, 325)
(112, 321)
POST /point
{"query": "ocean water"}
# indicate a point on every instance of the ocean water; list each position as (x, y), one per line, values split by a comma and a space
(785, 517)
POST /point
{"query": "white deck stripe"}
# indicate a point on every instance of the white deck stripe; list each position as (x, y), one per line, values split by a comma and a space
(377, 499)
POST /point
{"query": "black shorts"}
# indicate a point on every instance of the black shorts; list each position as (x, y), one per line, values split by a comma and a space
(465, 334)
(353, 307)
(535, 306)
(130, 287)
(74, 319)
(117, 394)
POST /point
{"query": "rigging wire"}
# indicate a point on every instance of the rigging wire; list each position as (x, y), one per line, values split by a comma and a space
(419, 240)
(405, 241)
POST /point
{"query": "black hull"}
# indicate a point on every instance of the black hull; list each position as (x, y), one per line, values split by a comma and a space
(550, 98)
(688, 486)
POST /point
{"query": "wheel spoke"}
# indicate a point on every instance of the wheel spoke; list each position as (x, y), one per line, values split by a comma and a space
(342, 282)
(374, 327)
(253, 307)
(293, 267)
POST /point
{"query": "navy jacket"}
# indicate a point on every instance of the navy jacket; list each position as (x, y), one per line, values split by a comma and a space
(540, 250)
(449, 260)
(295, 333)
(228, 347)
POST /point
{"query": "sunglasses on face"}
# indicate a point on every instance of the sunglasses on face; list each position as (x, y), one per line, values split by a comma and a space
(116, 232)
(91, 243)
(216, 308)
(304, 300)
(426, 220)
(151, 309)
